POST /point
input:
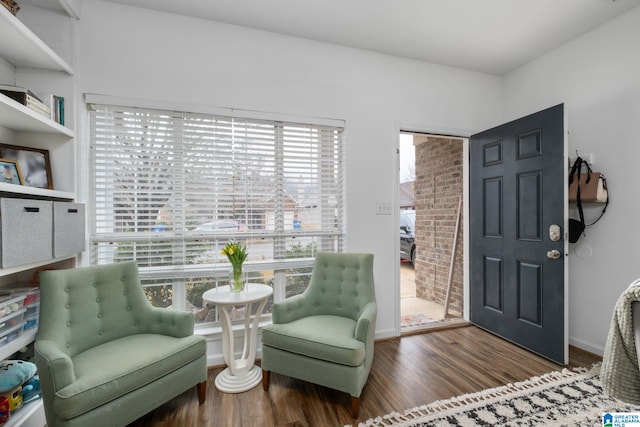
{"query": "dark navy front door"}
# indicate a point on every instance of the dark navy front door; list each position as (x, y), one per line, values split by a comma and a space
(517, 270)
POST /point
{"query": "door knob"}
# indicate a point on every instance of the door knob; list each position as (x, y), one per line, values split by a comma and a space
(553, 254)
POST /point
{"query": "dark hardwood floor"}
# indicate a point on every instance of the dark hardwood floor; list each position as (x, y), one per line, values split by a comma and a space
(406, 372)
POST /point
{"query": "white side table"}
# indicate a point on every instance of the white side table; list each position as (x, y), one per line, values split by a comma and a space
(241, 374)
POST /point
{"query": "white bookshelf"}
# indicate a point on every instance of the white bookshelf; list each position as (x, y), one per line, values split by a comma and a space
(29, 415)
(33, 192)
(22, 48)
(25, 339)
(32, 413)
(19, 118)
(19, 269)
(69, 7)
(33, 64)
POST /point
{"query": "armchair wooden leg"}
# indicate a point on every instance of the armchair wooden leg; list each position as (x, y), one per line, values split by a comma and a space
(355, 406)
(266, 376)
(202, 391)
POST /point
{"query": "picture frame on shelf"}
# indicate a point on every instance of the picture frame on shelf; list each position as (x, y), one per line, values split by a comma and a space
(10, 172)
(34, 164)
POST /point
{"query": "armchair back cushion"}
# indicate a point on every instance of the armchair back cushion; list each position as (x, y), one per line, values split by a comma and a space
(100, 304)
(341, 285)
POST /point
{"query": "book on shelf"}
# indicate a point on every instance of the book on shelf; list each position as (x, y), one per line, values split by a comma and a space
(17, 89)
(50, 106)
(57, 108)
(26, 98)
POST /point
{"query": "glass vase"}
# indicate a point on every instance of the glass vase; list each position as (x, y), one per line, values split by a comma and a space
(237, 279)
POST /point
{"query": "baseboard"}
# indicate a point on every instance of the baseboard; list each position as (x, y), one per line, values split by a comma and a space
(385, 334)
(586, 346)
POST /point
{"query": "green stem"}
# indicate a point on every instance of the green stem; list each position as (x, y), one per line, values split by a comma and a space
(237, 284)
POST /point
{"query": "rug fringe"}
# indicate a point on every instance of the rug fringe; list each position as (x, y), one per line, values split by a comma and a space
(481, 397)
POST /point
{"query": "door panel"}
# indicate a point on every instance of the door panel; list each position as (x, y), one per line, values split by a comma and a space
(529, 206)
(492, 207)
(517, 191)
(494, 284)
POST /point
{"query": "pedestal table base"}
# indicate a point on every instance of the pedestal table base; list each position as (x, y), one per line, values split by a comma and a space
(229, 383)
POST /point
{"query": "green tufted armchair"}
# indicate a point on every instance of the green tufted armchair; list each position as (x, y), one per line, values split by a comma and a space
(325, 335)
(104, 354)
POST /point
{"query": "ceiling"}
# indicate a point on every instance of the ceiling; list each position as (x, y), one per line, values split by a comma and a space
(490, 36)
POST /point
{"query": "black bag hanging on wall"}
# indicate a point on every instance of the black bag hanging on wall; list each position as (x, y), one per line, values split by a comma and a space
(576, 227)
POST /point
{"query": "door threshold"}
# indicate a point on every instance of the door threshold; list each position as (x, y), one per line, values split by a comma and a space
(441, 325)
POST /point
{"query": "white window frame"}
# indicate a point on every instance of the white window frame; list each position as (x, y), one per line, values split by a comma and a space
(179, 272)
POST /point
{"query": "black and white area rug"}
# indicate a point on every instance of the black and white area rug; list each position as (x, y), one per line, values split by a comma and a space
(561, 398)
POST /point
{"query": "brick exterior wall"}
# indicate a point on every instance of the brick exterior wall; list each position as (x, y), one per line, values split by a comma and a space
(438, 187)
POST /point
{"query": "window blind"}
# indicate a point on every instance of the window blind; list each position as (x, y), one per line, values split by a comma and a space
(172, 188)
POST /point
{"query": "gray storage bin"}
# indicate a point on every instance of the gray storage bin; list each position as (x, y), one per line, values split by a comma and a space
(25, 231)
(68, 228)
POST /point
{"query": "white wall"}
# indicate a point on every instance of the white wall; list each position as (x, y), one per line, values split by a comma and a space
(7, 73)
(136, 53)
(597, 76)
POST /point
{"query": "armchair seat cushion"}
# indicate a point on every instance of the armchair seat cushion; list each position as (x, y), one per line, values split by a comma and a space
(115, 368)
(324, 337)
